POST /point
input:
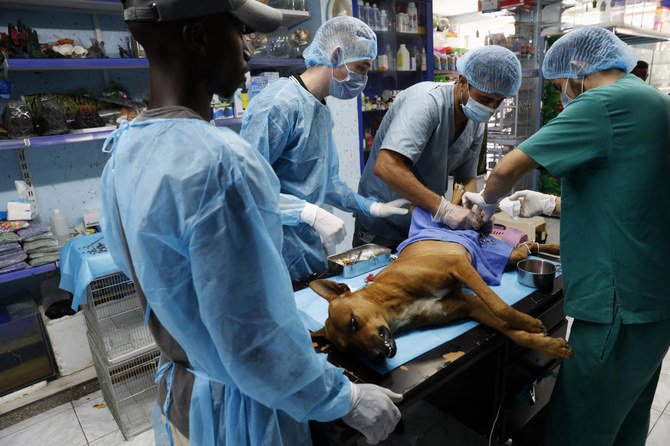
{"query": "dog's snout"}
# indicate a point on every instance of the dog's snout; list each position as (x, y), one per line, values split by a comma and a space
(389, 342)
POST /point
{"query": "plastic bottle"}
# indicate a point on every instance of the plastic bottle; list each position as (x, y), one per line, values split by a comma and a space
(59, 227)
(423, 60)
(412, 14)
(383, 21)
(376, 17)
(391, 59)
(402, 58)
(365, 16)
(412, 59)
(383, 62)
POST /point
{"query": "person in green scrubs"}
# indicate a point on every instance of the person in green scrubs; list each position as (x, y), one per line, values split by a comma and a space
(610, 147)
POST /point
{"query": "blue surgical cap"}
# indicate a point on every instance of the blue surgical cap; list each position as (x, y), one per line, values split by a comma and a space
(587, 50)
(354, 38)
(491, 69)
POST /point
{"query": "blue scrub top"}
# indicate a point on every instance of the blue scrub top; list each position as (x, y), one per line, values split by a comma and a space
(420, 126)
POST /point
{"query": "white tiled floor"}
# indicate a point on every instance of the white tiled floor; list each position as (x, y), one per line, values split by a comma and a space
(86, 421)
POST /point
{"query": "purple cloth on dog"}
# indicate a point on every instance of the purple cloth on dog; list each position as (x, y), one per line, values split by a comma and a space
(15, 267)
(489, 255)
(33, 230)
(9, 247)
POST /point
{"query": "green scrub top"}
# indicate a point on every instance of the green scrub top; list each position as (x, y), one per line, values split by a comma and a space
(611, 149)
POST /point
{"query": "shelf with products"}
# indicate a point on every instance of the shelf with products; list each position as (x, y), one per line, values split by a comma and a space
(399, 26)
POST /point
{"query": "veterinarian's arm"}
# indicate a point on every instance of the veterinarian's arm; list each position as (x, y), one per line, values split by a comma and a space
(393, 169)
(506, 174)
(470, 185)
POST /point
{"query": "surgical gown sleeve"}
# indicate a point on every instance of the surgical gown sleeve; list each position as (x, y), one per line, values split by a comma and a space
(268, 132)
(580, 137)
(245, 303)
(338, 193)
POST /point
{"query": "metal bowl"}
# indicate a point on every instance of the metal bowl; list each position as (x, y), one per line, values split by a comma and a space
(536, 273)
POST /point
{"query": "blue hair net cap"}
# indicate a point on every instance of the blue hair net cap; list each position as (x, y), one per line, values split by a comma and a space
(354, 38)
(491, 69)
(587, 50)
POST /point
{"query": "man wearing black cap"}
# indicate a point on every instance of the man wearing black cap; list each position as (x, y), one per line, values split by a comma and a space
(191, 214)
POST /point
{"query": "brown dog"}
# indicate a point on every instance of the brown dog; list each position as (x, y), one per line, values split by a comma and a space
(424, 287)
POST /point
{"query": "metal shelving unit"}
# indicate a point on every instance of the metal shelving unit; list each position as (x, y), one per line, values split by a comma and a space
(65, 64)
(71, 138)
(16, 275)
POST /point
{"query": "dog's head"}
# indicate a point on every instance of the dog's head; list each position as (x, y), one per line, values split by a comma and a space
(354, 322)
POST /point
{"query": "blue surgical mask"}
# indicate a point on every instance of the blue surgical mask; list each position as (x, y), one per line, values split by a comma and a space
(350, 87)
(477, 112)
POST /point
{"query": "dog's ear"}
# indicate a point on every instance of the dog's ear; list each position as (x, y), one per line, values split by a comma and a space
(328, 289)
(319, 334)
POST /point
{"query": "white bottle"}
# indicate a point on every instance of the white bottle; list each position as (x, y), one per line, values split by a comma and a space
(59, 227)
(360, 9)
(383, 21)
(413, 21)
(402, 58)
(423, 59)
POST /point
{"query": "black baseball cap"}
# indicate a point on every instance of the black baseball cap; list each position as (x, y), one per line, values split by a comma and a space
(255, 15)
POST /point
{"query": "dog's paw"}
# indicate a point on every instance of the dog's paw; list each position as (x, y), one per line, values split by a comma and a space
(561, 349)
(522, 321)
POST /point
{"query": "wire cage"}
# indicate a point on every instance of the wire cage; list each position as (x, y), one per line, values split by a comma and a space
(115, 319)
(514, 120)
(129, 389)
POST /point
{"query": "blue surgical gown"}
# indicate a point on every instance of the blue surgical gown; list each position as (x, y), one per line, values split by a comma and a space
(294, 131)
(199, 210)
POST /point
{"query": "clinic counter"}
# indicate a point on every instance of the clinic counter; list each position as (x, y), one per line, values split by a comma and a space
(477, 378)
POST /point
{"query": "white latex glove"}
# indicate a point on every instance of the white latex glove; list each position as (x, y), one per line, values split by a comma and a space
(372, 412)
(534, 203)
(511, 208)
(395, 207)
(456, 217)
(330, 228)
(484, 209)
